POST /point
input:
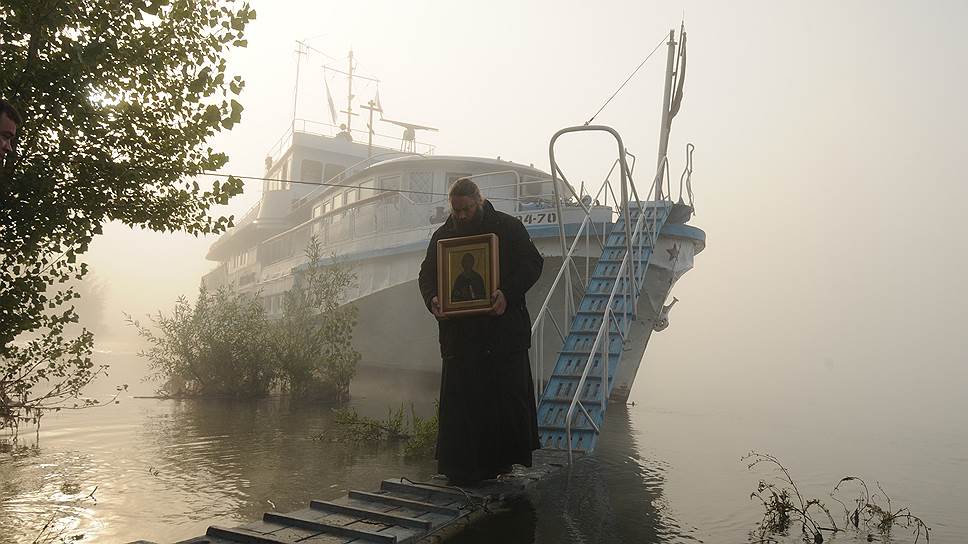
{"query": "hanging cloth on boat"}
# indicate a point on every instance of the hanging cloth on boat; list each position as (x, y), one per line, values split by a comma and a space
(329, 100)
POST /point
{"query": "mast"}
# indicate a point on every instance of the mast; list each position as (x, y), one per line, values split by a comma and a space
(349, 96)
(295, 92)
(666, 114)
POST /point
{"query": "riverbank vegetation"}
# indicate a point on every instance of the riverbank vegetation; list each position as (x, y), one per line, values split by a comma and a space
(225, 345)
(416, 435)
(119, 102)
(785, 507)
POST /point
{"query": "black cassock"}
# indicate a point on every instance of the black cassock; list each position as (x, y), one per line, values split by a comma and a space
(488, 419)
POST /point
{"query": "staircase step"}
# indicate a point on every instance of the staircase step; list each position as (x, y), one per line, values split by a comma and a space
(552, 417)
(596, 304)
(586, 427)
(558, 440)
(571, 365)
(563, 389)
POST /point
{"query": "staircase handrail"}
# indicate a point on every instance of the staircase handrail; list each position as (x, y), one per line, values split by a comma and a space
(557, 179)
(605, 329)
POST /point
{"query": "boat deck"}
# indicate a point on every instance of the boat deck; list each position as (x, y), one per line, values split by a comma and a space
(400, 512)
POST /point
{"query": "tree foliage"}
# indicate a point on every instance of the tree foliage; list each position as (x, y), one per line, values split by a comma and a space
(226, 345)
(314, 338)
(219, 346)
(119, 100)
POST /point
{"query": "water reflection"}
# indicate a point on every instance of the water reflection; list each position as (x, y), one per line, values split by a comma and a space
(165, 470)
(513, 523)
(238, 459)
(614, 496)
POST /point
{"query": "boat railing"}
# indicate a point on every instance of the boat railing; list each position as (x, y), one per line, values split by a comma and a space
(387, 214)
(349, 172)
(383, 141)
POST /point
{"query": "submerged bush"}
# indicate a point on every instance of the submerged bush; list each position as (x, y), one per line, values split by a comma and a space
(219, 346)
(225, 345)
(785, 507)
(418, 435)
(313, 341)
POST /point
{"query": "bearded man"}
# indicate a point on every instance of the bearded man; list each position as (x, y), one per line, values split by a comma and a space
(487, 419)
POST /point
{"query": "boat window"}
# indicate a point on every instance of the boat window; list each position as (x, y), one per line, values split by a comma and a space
(332, 170)
(327, 206)
(318, 210)
(421, 187)
(311, 170)
(391, 183)
(351, 196)
(535, 193)
(278, 178)
(536, 187)
(368, 188)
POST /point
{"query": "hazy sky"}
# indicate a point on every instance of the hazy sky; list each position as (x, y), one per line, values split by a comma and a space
(827, 134)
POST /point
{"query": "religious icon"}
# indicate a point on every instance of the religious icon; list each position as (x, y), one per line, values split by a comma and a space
(467, 274)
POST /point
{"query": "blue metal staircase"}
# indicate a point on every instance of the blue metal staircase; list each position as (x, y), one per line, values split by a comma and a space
(598, 330)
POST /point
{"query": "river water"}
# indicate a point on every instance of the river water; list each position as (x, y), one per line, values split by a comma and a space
(664, 470)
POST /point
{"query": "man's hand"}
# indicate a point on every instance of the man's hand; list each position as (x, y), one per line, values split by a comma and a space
(498, 303)
(435, 308)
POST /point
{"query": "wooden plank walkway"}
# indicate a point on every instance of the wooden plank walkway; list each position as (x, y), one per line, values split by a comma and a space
(400, 512)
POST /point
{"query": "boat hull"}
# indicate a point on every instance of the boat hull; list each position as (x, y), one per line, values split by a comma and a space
(395, 330)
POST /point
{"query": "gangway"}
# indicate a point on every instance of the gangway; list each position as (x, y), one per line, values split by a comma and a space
(574, 398)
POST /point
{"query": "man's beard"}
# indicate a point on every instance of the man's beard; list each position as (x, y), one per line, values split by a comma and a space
(470, 225)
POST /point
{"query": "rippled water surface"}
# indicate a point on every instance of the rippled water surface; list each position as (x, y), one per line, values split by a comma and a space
(665, 471)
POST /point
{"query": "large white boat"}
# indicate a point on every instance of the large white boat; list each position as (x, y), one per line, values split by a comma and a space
(374, 208)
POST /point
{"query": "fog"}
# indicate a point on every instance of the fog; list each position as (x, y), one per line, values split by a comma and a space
(827, 136)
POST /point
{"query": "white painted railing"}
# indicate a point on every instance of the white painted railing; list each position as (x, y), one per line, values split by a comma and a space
(628, 281)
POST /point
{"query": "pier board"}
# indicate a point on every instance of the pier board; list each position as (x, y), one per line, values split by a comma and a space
(400, 512)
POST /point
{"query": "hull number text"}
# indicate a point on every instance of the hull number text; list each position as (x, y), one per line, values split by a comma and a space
(538, 218)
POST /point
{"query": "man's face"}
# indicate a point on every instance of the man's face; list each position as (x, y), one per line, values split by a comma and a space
(465, 210)
(8, 130)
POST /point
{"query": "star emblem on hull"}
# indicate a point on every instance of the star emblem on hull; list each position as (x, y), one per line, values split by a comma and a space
(673, 252)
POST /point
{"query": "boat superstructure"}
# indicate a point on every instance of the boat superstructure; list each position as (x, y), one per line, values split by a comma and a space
(376, 217)
(374, 206)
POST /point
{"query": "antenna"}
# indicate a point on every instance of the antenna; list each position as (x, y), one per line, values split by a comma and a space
(295, 91)
(409, 139)
(349, 92)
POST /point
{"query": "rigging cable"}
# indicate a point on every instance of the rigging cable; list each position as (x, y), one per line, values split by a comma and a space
(325, 184)
(641, 64)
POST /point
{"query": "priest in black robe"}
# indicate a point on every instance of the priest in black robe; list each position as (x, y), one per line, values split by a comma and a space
(488, 419)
